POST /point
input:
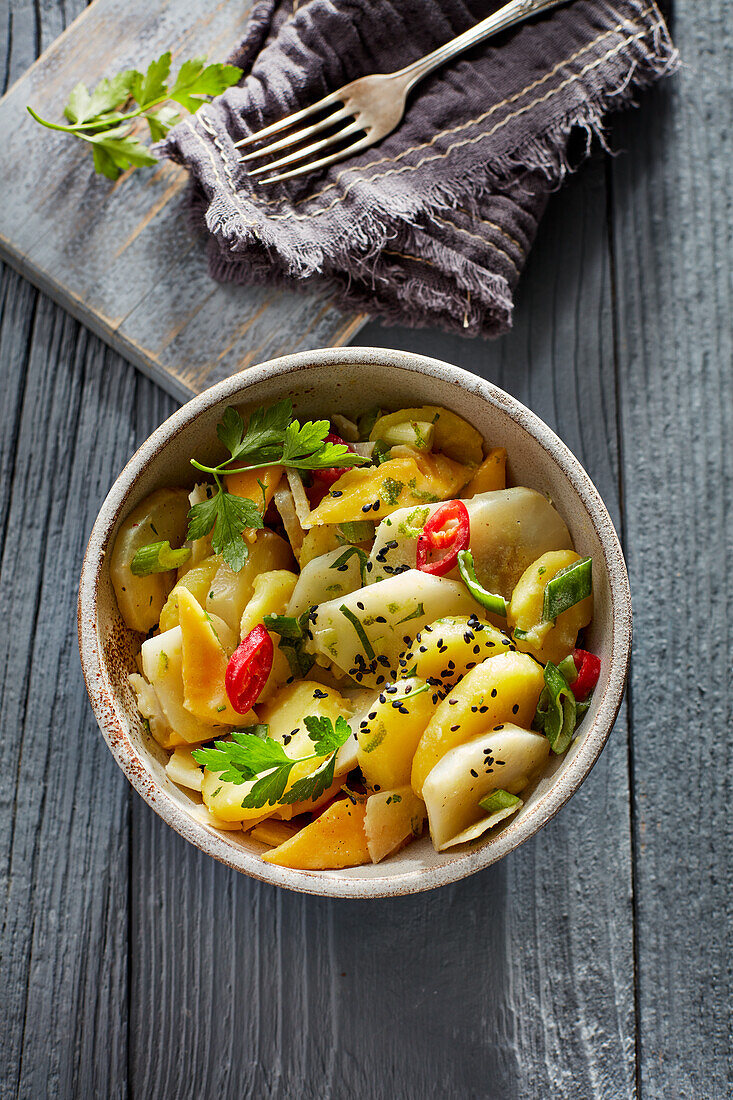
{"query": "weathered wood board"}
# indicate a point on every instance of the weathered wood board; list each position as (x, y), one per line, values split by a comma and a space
(121, 256)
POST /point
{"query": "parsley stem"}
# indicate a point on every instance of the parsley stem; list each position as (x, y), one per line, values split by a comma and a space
(99, 121)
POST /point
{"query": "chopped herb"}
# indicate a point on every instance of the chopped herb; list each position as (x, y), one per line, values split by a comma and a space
(360, 530)
(568, 587)
(391, 490)
(349, 553)
(557, 710)
(366, 644)
(416, 614)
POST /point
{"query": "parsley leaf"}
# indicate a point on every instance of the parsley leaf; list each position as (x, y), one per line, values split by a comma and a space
(254, 756)
(325, 736)
(97, 117)
(229, 516)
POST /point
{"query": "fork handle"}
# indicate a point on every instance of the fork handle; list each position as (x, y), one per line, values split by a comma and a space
(516, 11)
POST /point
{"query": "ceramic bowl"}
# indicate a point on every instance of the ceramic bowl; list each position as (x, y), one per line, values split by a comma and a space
(350, 381)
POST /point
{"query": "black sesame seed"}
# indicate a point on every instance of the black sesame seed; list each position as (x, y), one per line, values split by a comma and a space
(380, 619)
(515, 708)
(318, 694)
(471, 664)
(377, 787)
(454, 728)
(474, 773)
(372, 715)
(477, 649)
(474, 710)
(337, 493)
(366, 507)
(482, 710)
(452, 702)
(501, 727)
(360, 605)
(493, 693)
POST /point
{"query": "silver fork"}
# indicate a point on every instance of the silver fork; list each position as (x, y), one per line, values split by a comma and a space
(372, 105)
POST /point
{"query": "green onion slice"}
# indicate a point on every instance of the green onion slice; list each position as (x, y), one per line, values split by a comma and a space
(349, 552)
(568, 587)
(157, 557)
(489, 600)
(557, 712)
(353, 619)
(286, 625)
(568, 668)
(359, 530)
(498, 800)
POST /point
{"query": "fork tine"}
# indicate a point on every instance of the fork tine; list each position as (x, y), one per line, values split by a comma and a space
(299, 135)
(302, 154)
(289, 120)
(363, 143)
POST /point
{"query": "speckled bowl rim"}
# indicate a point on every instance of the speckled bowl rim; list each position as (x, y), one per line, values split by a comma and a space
(111, 718)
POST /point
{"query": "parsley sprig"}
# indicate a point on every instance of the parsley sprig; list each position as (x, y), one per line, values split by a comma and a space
(271, 436)
(251, 756)
(98, 118)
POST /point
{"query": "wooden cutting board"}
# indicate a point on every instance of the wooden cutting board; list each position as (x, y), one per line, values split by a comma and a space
(120, 256)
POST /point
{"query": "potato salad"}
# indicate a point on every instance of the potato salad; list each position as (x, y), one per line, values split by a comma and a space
(353, 631)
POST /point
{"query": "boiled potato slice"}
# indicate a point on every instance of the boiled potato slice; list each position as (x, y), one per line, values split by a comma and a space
(389, 731)
(502, 689)
(452, 435)
(230, 592)
(162, 666)
(546, 641)
(161, 516)
(445, 650)
(273, 832)
(183, 770)
(389, 615)
(323, 579)
(317, 542)
(149, 706)
(507, 757)
(510, 528)
(198, 582)
(205, 817)
(335, 839)
(284, 714)
(490, 476)
(473, 832)
(204, 665)
(392, 819)
(374, 491)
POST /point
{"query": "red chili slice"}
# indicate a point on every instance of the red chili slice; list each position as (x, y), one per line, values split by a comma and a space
(248, 669)
(589, 669)
(448, 528)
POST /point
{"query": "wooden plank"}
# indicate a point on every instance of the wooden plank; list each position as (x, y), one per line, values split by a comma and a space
(672, 238)
(120, 256)
(64, 805)
(517, 982)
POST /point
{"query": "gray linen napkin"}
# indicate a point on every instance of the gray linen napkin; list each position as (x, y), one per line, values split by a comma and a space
(433, 225)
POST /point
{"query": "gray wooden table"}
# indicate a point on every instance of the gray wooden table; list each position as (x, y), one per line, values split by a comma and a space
(594, 962)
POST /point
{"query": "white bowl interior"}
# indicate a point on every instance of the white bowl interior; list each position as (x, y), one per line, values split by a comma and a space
(350, 382)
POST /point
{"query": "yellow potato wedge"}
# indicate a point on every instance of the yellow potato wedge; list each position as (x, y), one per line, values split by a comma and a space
(446, 649)
(204, 665)
(160, 517)
(546, 641)
(335, 839)
(392, 819)
(502, 689)
(490, 476)
(452, 435)
(376, 491)
(388, 734)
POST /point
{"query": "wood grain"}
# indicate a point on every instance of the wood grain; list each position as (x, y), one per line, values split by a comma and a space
(673, 193)
(120, 256)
